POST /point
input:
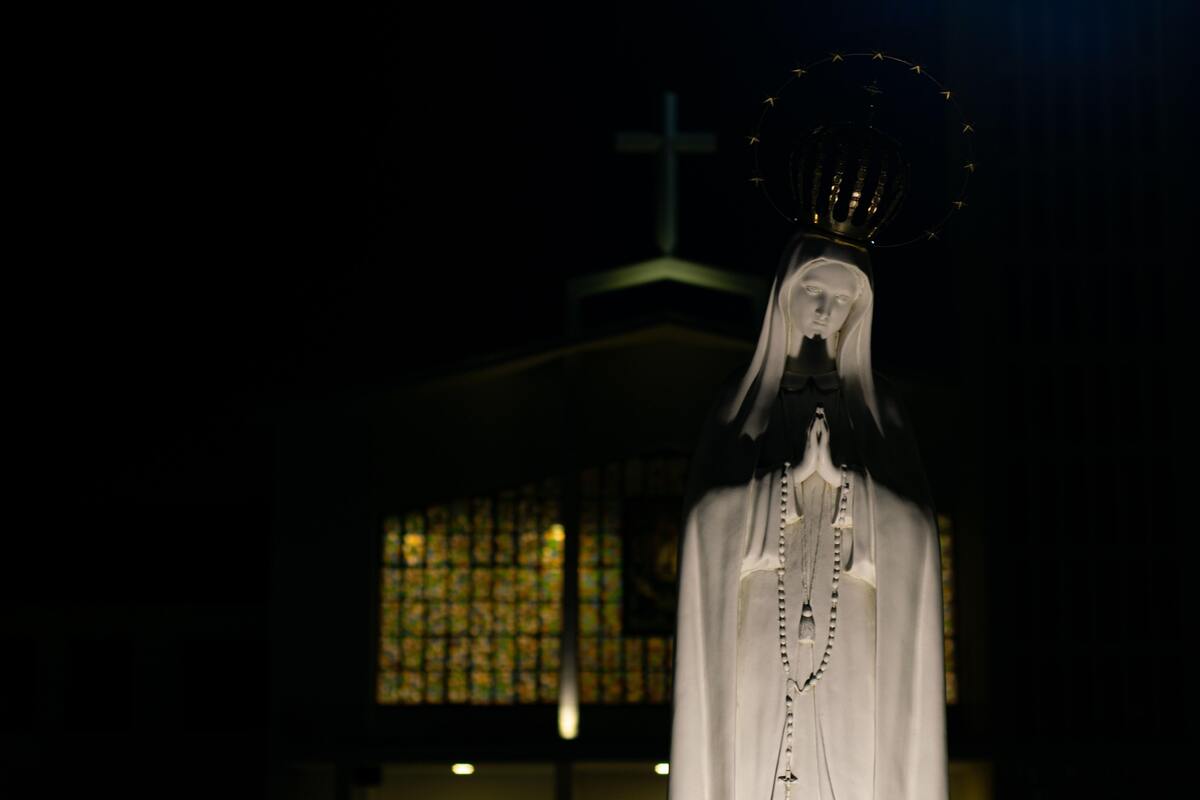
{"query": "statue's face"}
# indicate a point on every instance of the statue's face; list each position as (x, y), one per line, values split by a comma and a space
(821, 300)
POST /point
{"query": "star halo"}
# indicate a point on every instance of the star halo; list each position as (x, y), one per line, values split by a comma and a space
(909, 94)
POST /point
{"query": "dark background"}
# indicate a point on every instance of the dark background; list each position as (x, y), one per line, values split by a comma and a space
(233, 215)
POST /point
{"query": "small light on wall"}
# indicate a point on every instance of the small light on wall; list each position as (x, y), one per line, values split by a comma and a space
(463, 769)
(568, 719)
(662, 769)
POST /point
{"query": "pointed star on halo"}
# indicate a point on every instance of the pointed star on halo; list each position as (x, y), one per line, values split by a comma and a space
(968, 127)
(877, 56)
(915, 68)
(753, 139)
(800, 71)
(945, 94)
(771, 101)
(837, 57)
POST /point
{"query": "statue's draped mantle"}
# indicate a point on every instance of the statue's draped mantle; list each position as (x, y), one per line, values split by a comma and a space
(894, 546)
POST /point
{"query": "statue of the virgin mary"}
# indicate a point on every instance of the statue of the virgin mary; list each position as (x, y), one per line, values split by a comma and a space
(809, 652)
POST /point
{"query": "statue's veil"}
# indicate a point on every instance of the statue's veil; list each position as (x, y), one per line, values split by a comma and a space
(755, 394)
(727, 453)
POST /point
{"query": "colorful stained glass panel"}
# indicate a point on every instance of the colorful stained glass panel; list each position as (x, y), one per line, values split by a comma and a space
(656, 654)
(527, 585)
(611, 619)
(551, 619)
(435, 653)
(481, 653)
(656, 687)
(456, 686)
(552, 546)
(505, 550)
(589, 585)
(589, 653)
(635, 689)
(589, 687)
(460, 653)
(390, 620)
(460, 584)
(551, 585)
(459, 621)
(481, 686)
(459, 618)
(527, 652)
(437, 550)
(436, 579)
(505, 655)
(388, 688)
(389, 655)
(410, 651)
(610, 554)
(414, 584)
(612, 687)
(589, 620)
(392, 585)
(435, 686)
(481, 619)
(506, 688)
(504, 620)
(610, 654)
(527, 618)
(528, 550)
(391, 548)
(412, 685)
(504, 589)
(549, 686)
(527, 687)
(610, 585)
(414, 549)
(460, 549)
(437, 622)
(550, 646)
(633, 654)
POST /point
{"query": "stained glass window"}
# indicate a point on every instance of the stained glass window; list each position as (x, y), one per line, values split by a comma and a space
(635, 503)
(946, 534)
(471, 593)
(471, 601)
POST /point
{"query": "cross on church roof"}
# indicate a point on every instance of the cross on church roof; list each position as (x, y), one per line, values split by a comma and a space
(667, 144)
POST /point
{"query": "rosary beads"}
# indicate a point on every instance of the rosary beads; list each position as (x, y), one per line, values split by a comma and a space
(842, 522)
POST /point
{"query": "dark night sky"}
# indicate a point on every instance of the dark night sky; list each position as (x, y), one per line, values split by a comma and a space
(299, 212)
(317, 203)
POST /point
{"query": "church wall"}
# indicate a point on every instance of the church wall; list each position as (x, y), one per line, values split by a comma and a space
(466, 434)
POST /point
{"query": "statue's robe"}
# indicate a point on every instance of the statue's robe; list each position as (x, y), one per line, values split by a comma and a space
(893, 547)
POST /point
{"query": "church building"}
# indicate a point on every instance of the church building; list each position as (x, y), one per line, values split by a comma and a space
(505, 535)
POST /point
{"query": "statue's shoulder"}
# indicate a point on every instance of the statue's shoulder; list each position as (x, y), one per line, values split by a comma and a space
(727, 387)
(719, 505)
(890, 394)
(886, 384)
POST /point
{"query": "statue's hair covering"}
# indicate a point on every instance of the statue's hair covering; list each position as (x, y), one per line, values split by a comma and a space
(731, 440)
(758, 388)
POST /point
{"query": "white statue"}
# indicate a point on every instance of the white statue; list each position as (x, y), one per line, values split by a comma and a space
(809, 651)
